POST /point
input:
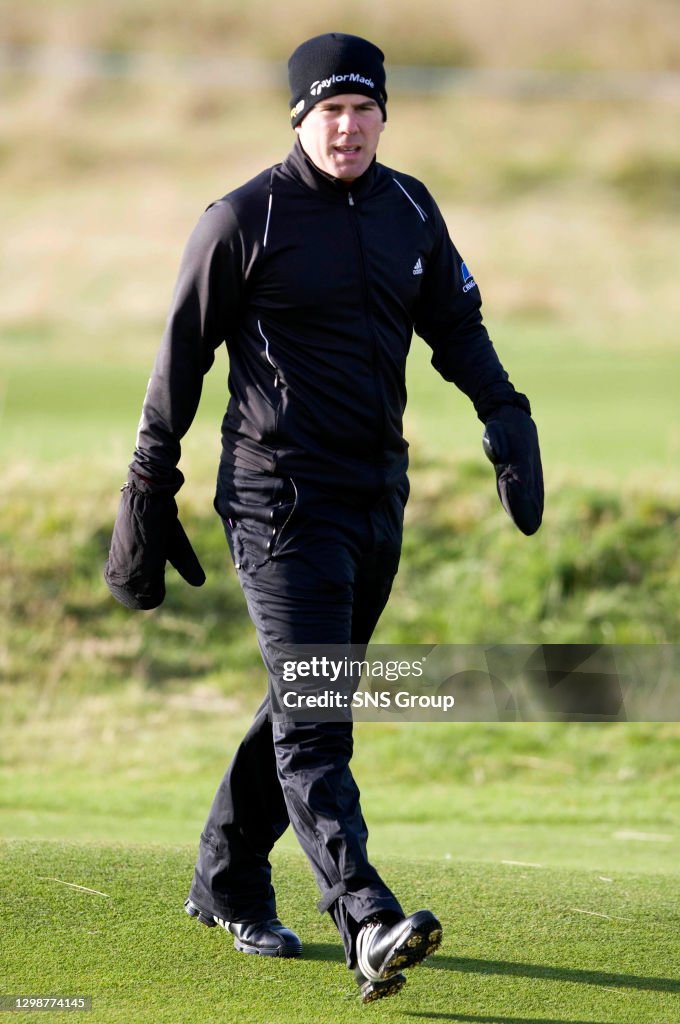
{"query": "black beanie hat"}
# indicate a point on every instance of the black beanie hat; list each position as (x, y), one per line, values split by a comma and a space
(332, 64)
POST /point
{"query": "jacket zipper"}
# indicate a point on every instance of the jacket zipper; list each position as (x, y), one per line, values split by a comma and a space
(369, 321)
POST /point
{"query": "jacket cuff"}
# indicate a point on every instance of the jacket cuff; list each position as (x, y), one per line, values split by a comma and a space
(496, 396)
(144, 483)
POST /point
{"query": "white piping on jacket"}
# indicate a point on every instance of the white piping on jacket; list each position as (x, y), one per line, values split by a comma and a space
(423, 215)
(266, 227)
(266, 348)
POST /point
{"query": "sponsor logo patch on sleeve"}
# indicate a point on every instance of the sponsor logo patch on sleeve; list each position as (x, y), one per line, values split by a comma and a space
(468, 280)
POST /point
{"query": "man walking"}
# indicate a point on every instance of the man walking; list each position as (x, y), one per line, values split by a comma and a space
(315, 273)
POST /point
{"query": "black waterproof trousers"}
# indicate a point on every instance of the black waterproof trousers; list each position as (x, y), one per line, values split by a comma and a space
(315, 569)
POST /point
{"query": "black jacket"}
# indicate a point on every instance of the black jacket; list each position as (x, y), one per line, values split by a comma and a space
(316, 290)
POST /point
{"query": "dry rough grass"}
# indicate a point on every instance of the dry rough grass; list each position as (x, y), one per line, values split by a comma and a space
(619, 34)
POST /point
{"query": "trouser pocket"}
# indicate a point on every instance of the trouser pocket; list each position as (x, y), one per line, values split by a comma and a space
(255, 511)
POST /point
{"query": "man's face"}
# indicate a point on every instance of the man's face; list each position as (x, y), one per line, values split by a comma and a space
(340, 135)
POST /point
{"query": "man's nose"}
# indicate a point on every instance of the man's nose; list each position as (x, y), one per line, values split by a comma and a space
(348, 123)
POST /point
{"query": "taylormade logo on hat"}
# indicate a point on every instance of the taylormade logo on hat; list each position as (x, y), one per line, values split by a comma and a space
(317, 87)
(330, 65)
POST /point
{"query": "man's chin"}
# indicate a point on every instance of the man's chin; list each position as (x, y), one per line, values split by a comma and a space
(348, 169)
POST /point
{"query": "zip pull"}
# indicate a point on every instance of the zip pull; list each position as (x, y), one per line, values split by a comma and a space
(349, 197)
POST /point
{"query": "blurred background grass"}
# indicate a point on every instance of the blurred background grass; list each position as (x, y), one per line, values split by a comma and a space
(564, 198)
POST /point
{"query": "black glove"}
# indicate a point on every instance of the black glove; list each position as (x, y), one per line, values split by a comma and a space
(511, 443)
(147, 533)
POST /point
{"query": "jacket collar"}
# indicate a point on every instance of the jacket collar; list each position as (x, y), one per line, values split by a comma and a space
(298, 166)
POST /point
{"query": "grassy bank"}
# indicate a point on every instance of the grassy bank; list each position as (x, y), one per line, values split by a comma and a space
(603, 569)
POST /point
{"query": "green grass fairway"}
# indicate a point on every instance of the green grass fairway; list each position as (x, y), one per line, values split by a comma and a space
(601, 418)
(522, 945)
(549, 851)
